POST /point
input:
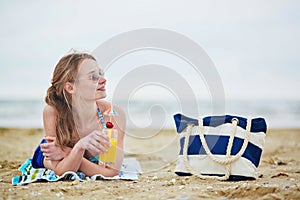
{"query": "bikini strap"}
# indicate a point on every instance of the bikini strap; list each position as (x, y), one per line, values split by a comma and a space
(101, 117)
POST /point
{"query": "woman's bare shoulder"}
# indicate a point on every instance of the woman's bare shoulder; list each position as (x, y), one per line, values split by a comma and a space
(119, 110)
(49, 111)
(106, 105)
(49, 120)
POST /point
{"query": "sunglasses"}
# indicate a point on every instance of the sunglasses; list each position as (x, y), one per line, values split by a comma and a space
(96, 75)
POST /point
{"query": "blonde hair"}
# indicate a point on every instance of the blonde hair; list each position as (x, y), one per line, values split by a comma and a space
(65, 71)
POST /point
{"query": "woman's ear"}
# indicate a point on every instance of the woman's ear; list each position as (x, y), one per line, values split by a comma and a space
(69, 87)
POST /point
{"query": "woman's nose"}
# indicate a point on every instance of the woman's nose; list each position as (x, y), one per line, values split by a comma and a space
(102, 80)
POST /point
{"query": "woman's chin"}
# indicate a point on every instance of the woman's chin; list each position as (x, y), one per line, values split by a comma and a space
(100, 96)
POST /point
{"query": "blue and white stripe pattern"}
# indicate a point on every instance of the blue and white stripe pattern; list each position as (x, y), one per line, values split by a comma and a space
(217, 131)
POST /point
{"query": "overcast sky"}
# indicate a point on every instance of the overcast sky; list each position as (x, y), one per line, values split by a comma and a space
(254, 45)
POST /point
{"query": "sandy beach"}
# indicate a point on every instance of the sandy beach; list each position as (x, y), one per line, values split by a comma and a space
(279, 172)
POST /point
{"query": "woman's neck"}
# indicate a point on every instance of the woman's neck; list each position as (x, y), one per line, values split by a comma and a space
(85, 116)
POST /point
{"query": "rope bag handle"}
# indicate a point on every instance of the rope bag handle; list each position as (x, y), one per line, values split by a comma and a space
(229, 159)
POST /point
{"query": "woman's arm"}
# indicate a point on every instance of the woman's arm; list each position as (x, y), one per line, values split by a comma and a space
(72, 160)
(53, 152)
(90, 169)
(75, 160)
(119, 122)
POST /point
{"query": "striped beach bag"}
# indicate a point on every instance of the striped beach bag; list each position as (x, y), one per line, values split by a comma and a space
(220, 147)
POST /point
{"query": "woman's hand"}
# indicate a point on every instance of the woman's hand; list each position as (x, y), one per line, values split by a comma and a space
(95, 143)
(53, 152)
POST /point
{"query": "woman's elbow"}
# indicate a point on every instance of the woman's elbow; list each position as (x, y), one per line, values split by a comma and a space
(111, 173)
(59, 172)
(115, 173)
(53, 165)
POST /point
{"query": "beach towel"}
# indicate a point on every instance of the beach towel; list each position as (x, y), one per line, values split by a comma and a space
(129, 171)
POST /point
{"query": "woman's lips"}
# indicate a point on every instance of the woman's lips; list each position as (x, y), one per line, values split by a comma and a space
(101, 89)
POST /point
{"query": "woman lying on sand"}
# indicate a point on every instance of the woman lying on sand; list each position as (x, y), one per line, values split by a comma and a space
(73, 127)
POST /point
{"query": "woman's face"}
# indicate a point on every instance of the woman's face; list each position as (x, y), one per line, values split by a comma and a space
(90, 82)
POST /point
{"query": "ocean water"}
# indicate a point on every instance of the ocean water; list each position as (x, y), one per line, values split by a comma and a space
(21, 113)
(159, 114)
